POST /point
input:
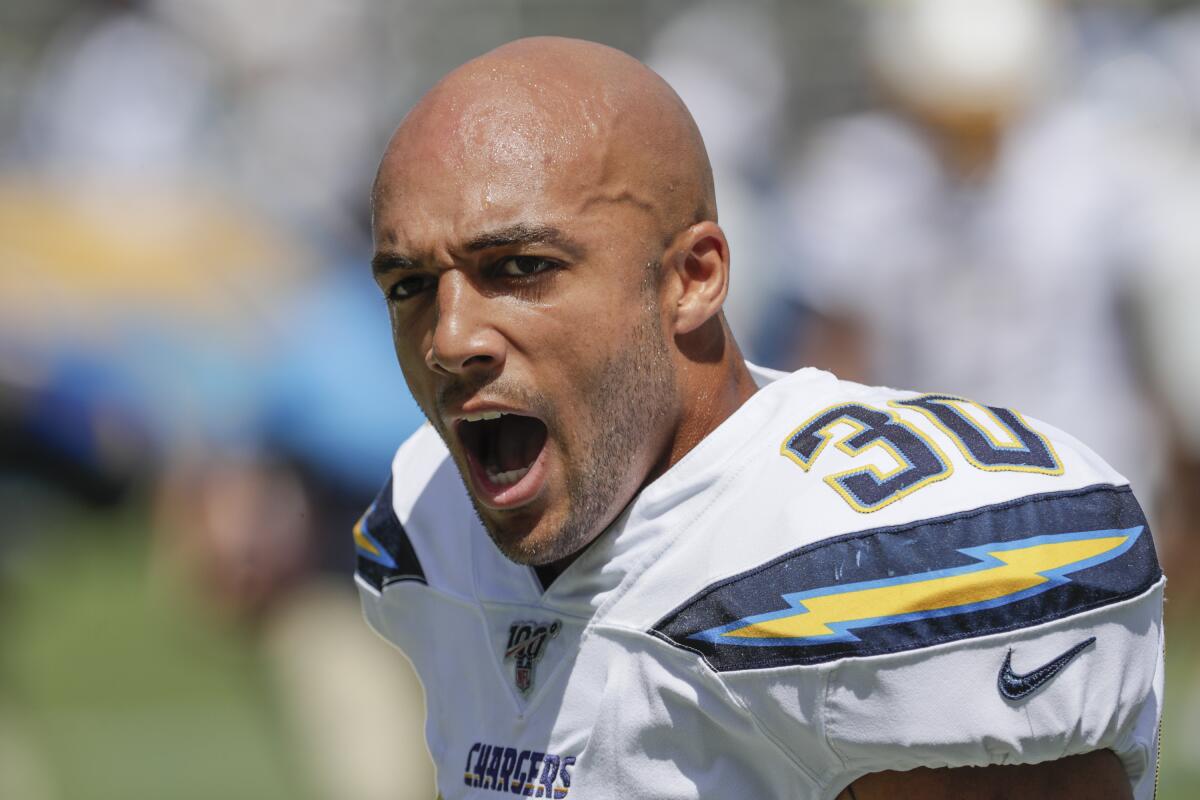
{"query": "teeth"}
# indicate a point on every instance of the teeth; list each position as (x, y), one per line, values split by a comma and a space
(483, 415)
(507, 478)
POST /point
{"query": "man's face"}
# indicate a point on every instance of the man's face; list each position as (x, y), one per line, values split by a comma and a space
(525, 313)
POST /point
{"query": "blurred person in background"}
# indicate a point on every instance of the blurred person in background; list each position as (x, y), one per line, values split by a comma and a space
(992, 227)
(178, 332)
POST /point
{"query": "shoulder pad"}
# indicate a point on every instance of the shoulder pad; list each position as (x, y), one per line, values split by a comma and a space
(904, 587)
(385, 553)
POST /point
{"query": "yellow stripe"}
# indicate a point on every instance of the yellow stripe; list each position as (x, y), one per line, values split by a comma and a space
(361, 540)
(1018, 573)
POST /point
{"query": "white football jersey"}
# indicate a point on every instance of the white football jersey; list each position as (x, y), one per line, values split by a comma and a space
(838, 580)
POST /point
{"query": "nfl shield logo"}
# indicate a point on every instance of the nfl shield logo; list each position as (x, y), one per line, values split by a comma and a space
(526, 643)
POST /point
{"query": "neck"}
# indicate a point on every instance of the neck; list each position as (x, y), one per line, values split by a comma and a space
(713, 383)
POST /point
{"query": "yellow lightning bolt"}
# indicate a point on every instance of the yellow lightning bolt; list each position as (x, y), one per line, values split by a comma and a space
(1018, 572)
(360, 539)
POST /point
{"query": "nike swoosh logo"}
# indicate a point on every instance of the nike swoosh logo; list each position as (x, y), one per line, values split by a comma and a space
(1014, 686)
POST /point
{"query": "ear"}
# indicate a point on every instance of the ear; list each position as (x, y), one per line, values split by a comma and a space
(698, 270)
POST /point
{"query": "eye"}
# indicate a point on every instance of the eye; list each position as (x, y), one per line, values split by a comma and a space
(523, 266)
(409, 286)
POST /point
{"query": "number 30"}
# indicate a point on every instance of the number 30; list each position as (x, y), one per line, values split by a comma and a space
(1006, 444)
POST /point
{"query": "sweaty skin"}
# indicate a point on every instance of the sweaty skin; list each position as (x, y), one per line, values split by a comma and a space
(545, 235)
(545, 231)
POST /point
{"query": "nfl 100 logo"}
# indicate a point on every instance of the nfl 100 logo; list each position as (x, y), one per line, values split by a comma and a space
(526, 643)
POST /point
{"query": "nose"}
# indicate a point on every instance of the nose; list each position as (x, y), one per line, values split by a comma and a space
(464, 340)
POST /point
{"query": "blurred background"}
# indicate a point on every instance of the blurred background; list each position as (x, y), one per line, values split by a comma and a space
(999, 198)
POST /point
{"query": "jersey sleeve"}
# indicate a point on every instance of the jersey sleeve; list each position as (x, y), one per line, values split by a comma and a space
(1019, 632)
(384, 552)
(389, 548)
(1081, 683)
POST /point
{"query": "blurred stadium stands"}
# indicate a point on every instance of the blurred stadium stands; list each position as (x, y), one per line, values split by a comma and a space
(197, 393)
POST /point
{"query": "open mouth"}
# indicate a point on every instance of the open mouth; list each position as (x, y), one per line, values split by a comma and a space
(505, 454)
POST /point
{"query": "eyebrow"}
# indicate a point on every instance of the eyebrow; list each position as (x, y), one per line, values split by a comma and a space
(518, 234)
(387, 262)
(521, 233)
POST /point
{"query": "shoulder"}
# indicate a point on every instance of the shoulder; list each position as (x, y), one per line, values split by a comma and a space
(926, 566)
(867, 456)
(873, 521)
(421, 493)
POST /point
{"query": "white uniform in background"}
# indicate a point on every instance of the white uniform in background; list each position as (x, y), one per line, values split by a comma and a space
(1009, 290)
(945, 585)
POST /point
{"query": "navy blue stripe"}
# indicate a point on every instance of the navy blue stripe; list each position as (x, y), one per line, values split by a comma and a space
(384, 527)
(915, 548)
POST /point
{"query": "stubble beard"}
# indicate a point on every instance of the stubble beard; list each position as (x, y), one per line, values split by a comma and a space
(626, 401)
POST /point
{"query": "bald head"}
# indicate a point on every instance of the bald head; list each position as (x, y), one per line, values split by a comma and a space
(549, 112)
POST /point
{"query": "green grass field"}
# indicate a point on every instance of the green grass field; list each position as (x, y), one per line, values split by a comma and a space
(116, 686)
(112, 687)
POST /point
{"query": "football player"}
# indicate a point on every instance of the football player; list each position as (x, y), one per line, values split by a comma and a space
(626, 563)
